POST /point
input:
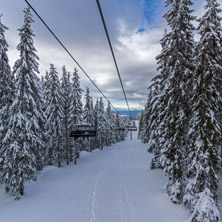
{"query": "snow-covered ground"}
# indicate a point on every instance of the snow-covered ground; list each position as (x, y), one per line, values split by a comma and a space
(115, 185)
(219, 194)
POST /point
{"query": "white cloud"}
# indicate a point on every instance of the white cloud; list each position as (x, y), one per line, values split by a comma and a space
(78, 25)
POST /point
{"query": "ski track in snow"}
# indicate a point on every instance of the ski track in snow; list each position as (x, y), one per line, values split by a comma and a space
(92, 216)
(124, 201)
(127, 196)
(115, 178)
(93, 199)
(114, 185)
(68, 198)
(132, 211)
(93, 196)
(121, 207)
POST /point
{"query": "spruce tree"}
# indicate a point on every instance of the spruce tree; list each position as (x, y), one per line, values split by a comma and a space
(88, 117)
(140, 131)
(155, 107)
(44, 81)
(172, 98)
(110, 126)
(204, 135)
(88, 109)
(54, 118)
(117, 126)
(66, 96)
(101, 125)
(123, 125)
(146, 123)
(76, 112)
(6, 82)
(76, 100)
(22, 141)
(95, 121)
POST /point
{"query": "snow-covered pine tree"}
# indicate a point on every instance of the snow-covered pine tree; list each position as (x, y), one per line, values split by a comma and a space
(88, 109)
(117, 126)
(146, 123)
(140, 131)
(6, 82)
(76, 102)
(110, 126)
(122, 133)
(174, 95)
(204, 135)
(76, 112)
(205, 209)
(41, 121)
(95, 119)
(42, 80)
(54, 118)
(88, 117)
(45, 85)
(22, 142)
(66, 97)
(155, 106)
(102, 126)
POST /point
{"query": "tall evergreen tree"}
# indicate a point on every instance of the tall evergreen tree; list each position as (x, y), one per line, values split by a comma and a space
(155, 106)
(6, 82)
(95, 121)
(66, 96)
(204, 135)
(101, 127)
(54, 118)
(110, 126)
(171, 100)
(44, 81)
(140, 131)
(88, 109)
(22, 142)
(88, 117)
(76, 100)
(76, 112)
(117, 126)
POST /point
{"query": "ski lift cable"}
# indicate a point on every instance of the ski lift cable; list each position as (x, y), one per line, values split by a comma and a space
(113, 55)
(63, 46)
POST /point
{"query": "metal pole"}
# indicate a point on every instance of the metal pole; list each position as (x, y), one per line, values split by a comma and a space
(131, 135)
(75, 152)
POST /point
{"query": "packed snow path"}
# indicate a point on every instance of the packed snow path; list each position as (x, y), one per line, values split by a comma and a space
(115, 185)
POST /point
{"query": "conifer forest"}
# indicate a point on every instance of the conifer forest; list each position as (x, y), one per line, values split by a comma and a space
(180, 125)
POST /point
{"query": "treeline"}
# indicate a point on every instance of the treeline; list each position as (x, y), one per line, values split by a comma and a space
(182, 119)
(36, 116)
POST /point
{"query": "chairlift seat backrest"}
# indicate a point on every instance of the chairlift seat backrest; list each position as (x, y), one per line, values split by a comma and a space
(84, 131)
(132, 128)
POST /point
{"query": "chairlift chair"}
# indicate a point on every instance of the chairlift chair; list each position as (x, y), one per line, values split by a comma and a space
(83, 131)
(132, 128)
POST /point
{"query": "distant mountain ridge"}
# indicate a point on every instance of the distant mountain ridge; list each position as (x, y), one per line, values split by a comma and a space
(134, 112)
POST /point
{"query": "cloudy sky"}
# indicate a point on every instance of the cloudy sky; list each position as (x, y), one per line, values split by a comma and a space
(135, 28)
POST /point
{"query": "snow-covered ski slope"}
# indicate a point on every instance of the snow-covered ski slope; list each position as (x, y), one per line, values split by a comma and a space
(115, 185)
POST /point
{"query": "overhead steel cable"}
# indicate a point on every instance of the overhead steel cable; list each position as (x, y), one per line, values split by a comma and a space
(63, 46)
(111, 48)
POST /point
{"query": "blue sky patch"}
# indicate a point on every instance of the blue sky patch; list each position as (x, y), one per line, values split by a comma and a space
(140, 30)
